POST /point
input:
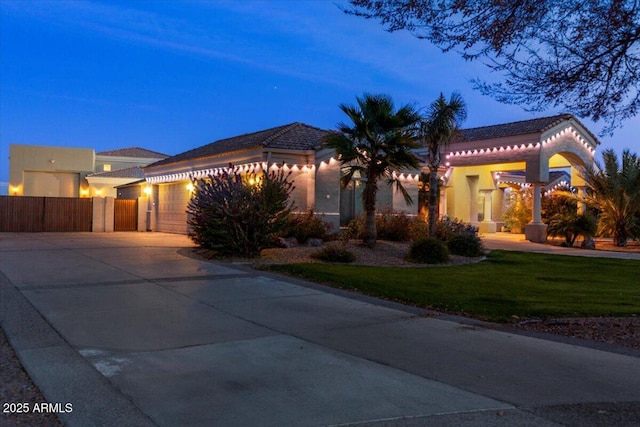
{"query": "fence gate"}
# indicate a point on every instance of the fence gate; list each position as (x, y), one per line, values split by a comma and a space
(125, 215)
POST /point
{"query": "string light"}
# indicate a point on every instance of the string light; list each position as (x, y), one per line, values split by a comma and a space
(253, 168)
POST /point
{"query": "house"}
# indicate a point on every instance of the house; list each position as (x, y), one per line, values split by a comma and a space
(74, 172)
(480, 166)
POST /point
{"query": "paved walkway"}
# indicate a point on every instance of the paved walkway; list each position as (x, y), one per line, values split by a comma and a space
(131, 332)
(517, 242)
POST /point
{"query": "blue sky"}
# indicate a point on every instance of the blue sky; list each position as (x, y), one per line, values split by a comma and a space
(173, 75)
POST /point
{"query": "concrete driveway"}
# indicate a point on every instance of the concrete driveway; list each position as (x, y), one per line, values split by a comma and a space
(131, 331)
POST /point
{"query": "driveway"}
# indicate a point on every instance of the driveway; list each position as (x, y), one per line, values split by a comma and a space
(131, 331)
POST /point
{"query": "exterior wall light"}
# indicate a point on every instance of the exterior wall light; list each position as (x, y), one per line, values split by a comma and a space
(147, 191)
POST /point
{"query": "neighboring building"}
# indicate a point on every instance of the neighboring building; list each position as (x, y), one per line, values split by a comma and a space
(48, 171)
(473, 175)
(74, 172)
(119, 167)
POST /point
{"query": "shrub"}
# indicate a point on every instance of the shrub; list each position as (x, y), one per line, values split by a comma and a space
(394, 226)
(233, 215)
(307, 226)
(428, 251)
(390, 225)
(446, 228)
(466, 244)
(334, 253)
(355, 228)
(571, 226)
(419, 229)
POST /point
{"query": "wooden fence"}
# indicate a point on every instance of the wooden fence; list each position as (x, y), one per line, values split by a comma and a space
(36, 214)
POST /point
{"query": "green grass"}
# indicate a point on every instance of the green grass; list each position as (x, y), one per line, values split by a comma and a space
(505, 284)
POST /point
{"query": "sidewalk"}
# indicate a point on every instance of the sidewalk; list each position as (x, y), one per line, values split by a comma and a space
(132, 332)
(517, 242)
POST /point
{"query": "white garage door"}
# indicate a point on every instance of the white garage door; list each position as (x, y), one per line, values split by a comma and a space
(172, 206)
(51, 184)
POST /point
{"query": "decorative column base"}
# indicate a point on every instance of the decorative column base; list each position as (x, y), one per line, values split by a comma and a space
(536, 232)
(487, 227)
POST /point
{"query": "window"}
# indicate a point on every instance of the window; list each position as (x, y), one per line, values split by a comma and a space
(106, 168)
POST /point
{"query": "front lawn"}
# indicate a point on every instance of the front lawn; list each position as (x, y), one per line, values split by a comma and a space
(505, 284)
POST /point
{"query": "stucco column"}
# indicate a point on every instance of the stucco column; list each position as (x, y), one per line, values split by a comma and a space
(537, 203)
(488, 225)
(536, 231)
(443, 201)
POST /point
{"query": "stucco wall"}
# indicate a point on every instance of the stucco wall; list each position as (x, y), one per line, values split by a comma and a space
(466, 183)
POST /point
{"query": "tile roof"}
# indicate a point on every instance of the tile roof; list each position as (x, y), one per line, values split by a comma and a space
(132, 172)
(134, 152)
(538, 125)
(294, 136)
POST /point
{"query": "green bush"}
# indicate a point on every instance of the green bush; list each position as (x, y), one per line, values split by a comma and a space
(428, 251)
(235, 216)
(468, 245)
(307, 226)
(334, 253)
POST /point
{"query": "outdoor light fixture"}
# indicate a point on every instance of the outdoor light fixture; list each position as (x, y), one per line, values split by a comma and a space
(147, 191)
(190, 187)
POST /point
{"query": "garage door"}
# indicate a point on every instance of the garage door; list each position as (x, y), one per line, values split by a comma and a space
(172, 208)
(51, 184)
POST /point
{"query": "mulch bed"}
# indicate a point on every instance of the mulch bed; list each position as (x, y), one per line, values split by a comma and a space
(621, 331)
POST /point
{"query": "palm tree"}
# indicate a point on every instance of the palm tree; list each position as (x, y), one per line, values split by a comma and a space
(378, 143)
(615, 193)
(437, 129)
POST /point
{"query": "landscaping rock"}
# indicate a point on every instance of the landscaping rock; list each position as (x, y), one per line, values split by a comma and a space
(588, 243)
(288, 242)
(314, 243)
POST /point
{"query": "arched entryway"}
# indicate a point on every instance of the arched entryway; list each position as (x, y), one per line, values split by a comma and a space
(481, 156)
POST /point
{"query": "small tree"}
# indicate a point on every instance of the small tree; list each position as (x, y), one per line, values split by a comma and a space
(377, 143)
(519, 209)
(239, 215)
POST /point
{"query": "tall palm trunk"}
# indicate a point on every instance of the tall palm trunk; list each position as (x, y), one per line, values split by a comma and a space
(620, 233)
(369, 198)
(434, 205)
